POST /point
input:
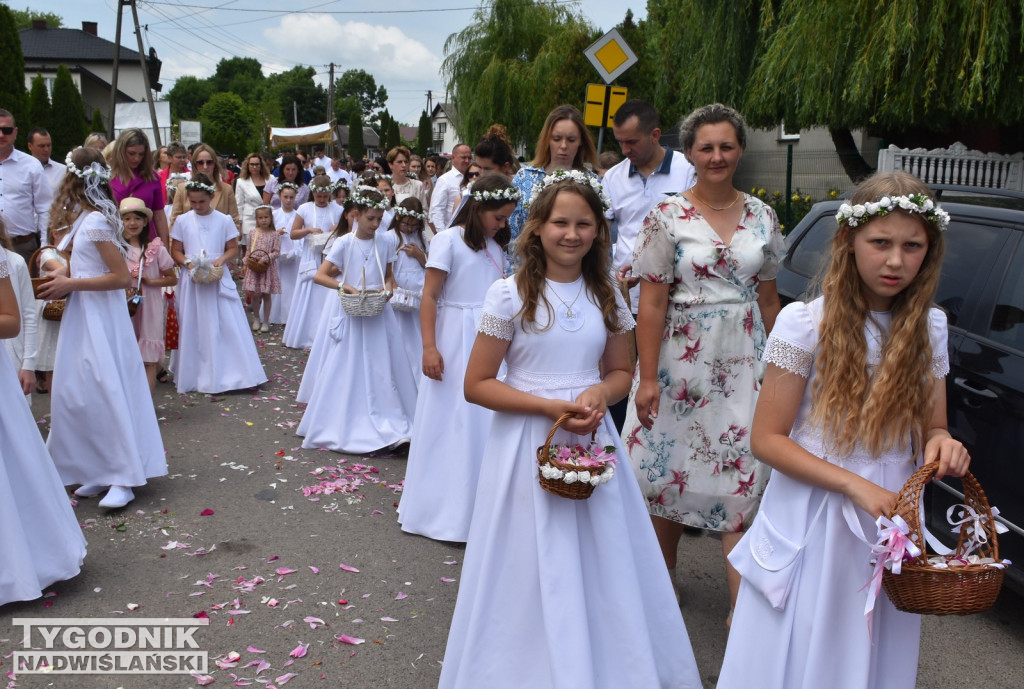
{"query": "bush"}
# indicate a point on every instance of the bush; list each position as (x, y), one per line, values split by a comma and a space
(799, 205)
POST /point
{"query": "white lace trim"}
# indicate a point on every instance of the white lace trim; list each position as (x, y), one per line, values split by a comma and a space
(4, 270)
(492, 325)
(788, 356)
(100, 235)
(528, 381)
(940, 365)
(625, 320)
(812, 441)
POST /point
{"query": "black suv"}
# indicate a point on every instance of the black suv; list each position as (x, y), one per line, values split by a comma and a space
(982, 291)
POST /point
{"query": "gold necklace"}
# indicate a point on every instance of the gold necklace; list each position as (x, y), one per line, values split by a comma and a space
(715, 208)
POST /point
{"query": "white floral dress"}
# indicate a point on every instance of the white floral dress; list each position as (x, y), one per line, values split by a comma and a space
(694, 465)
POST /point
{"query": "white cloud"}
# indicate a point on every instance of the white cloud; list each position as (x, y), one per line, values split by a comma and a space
(386, 52)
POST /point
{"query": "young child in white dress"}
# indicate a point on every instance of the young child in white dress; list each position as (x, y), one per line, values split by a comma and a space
(314, 221)
(410, 270)
(103, 431)
(449, 434)
(215, 353)
(854, 395)
(40, 538)
(558, 592)
(291, 253)
(363, 393)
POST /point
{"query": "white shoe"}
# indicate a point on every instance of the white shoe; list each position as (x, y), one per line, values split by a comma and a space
(255, 323)
(89, 490)
(117, 496)
(265, 328)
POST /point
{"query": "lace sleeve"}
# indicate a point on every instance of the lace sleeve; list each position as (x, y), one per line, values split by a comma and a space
(4, 270)
(938, 334)
(623, 316)
(102, 234)
(495, 326)
(788, 356)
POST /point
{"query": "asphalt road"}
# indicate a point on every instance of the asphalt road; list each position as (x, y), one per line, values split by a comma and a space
(266, 565)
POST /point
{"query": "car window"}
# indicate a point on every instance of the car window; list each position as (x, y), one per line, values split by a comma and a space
(970, 251)
(1007, 324)
(807, 257)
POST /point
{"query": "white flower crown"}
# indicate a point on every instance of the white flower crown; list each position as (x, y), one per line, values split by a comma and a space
(860, 213)
(263, 205)
(193, 185)
(381, 177)
(366, 202)
(288, 185)
(94, 169)
(339, 183)
(410, 213)
(317, 189)
(577, 176)
(504, 194)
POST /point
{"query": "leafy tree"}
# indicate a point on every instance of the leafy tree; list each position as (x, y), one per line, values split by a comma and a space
(913, 73)
(23, 18)
(12, 77)
(188, 96)
(359, 84)
(97, 122)
(295, 86)
(356, 148)
(239, 75)
(424, 135)
(229, 125)
(642, 77)
(516, 52)
(344, 108)
(67, 115)
(38, 104)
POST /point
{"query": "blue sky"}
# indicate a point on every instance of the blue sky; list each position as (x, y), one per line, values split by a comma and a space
(400, 42)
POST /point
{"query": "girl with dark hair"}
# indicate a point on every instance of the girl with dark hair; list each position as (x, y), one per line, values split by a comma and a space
(494, 152)
(449, 435)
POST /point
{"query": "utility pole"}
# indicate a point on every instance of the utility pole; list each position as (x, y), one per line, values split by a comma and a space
(295, 113)
(117, 64)
(121, 4)
(330, 112)
(430, 106)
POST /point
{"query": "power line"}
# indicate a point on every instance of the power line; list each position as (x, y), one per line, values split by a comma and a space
(222, 8)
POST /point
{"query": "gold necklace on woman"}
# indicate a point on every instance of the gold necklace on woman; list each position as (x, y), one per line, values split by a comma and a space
(715, 208)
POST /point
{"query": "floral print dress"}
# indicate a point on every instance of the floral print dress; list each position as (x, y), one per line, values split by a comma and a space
(694, 466)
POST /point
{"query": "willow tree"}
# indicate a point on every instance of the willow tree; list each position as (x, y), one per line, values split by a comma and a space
(516, 60)
(908, 70)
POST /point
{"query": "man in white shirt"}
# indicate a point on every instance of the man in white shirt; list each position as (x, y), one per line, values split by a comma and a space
(649, 174)
(25, 194)
(446, 189)
(320, 159)
(40, 146)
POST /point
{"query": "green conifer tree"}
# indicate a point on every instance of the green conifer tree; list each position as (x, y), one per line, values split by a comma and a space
(97, 122)
(67, 116)
(356, 147)
(38, 104)
(13, 96)
(424, 136)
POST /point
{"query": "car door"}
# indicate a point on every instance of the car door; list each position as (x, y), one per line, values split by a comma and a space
(985, 386)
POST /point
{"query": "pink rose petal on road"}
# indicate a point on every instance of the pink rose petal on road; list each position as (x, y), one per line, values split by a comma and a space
(401, 596)
(206, 513)
(447, 580)
(313, 569)
(253, 649)
(347, 568)
(282, 571)
(283, 679)
(313, 622)
(388, 619)
(299, 651)
(346, 639)
(202, 680)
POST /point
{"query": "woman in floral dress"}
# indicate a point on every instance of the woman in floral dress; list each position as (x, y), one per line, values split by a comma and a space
(707, 259)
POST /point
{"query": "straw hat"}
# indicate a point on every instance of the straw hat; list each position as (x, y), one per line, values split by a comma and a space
(134, 205)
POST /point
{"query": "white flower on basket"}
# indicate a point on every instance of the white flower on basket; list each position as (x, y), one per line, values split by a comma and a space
(609, 471)
(583, 476)
(570, 477)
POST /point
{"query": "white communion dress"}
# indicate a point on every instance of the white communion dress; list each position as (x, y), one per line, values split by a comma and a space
(820, 637)
(409, 274)
(216, 350)
(308, 298)
(103, 427)
(556, 592)
(363, 394)
(40, 538)
(287, 266)
(449, 432)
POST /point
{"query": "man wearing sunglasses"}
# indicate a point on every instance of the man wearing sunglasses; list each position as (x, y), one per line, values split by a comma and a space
(25, 194)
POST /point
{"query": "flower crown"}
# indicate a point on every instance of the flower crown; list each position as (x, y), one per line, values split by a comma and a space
(339, 183)
(94, 169)
(860, 213)
(510, 194)
(288, 185)
(317, 189)
(410, 213)
(193, 185)
(263, 205)
(366, 202)
(174, 178)
(381, 177)
(576, 176)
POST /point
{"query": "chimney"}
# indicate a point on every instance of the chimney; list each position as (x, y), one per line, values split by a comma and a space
(38, 23)
(89, 28)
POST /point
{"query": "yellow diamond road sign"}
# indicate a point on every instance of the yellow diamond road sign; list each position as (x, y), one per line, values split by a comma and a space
(611, 56)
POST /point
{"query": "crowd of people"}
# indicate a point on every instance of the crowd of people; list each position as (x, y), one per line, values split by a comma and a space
(622, 308)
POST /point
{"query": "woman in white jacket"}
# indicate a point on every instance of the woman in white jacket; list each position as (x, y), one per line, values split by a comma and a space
(249, 194)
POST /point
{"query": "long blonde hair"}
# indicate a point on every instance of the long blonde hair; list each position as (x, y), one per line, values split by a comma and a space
(890, 407)
(118, 158)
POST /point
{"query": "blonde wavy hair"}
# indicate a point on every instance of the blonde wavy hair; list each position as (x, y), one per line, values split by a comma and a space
(530, 277)
(70, 201)
(889, 408)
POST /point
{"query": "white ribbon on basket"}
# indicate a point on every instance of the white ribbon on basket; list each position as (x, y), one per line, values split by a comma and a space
(376, 255)
(974, 524)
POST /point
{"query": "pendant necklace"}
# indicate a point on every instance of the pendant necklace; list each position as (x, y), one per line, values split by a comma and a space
(716, 208)
(568, 319)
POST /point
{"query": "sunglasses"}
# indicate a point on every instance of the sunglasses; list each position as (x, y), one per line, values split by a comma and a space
(202, 163)
(471, 175)
(7, 131)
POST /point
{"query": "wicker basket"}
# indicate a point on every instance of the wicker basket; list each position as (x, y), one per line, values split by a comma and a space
(53, 310)
(579, 490)
(206, 276)
(926, 590)
(254, 261)
(365, 303)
